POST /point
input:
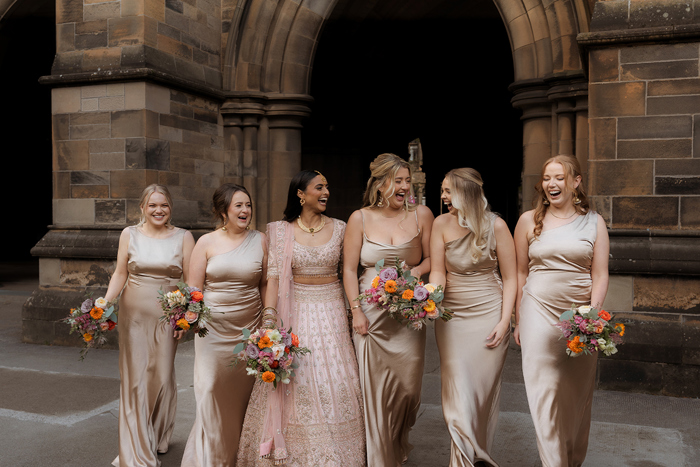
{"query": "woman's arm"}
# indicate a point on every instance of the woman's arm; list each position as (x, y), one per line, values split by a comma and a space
(437, 252)
(507, 264)
(198, 262)
(425, 221)
(599, 266)
(352, 244)
(263, 279)
(187, 246)
(121, 273)
(522, 229)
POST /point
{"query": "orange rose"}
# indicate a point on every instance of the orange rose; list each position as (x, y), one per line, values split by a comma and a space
(196, 296)
(87, 337)
(264, 342)
(575, 345)
(295, 340)
(96, 313)
(620, 328)
(390, 286)
(375, 282)
(268, 376)
(604, 314)
(183, 324)
(407, 294)
(429, 306)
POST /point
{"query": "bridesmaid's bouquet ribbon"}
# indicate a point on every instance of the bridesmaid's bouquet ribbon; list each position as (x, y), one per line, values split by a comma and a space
(588, 330)
(93, 319)
(404, 297)
(184, 308)
(270, 354)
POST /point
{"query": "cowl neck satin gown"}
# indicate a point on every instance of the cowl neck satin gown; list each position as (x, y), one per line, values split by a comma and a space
(391, 359)
(559, 388)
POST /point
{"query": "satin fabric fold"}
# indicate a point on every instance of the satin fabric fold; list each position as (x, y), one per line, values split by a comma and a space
(391, 359)
(231, 291)
(559, 388)
(148, 390)
(471, 372)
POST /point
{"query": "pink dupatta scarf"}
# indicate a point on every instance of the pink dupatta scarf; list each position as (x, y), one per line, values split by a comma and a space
(281, 238)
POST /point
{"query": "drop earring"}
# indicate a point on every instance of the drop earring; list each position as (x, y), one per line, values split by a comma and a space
(380, 204)
(577, 200)
(302, 201)
(223, 227)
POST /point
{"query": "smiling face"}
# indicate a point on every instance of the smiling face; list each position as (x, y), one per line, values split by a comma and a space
(156, 210)
(316, 194)
(240, 211)
(557, 185)
(396, 190)
(446, 196)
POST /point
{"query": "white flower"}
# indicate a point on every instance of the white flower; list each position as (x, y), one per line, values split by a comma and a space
(417, 325)
(101, 303)
(274, 336)
(583, 309)
(430, 287)
(175, 298)
(251, 371)
(285, 381)
(277, 351)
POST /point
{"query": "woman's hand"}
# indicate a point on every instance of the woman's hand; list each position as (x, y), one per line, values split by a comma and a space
(498, 334)
(516, 334)
(178, 334)
(360, 323)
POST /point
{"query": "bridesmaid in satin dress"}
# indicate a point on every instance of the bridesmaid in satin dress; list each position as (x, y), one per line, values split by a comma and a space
(473, 256)
(151, 255)
(229, 265)
(562, 251)
(389, 355)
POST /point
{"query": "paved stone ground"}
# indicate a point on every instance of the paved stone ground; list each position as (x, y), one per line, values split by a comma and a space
(58, 411)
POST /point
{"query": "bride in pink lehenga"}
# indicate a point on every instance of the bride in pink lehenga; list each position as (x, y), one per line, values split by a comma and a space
(317, 420)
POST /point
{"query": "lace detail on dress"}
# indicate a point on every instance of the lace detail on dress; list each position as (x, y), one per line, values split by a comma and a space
(322, 260)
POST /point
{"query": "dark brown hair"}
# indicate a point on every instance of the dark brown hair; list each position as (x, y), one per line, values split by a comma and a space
(222, 200)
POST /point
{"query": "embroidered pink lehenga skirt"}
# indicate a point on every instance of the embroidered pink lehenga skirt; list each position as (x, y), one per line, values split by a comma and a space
(323, 403)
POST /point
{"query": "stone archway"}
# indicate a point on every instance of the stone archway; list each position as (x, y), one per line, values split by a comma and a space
(269, 57)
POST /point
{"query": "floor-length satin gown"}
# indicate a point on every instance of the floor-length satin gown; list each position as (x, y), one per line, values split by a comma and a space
(148, 391)
(231, 291)
(391, 359)
(470, 371)
(323, 402)
(559, 388)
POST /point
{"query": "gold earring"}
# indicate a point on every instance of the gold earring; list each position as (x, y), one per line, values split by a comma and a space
(545, 202)
(380, 204)
(223, 227)
(302, 201)
(577, 200)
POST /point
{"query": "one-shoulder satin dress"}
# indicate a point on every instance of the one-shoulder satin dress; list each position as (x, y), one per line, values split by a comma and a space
(231, 291)
(470, 371)
(391, 359)
(559, 388)
(148, 390)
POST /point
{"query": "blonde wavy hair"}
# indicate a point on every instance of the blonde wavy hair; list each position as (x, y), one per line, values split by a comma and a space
(385, 167)
(572, 169)
(473, 210)
(146, 195)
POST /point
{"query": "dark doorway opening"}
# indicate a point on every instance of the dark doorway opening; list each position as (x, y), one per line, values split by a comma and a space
(27, 49)
(380, 83)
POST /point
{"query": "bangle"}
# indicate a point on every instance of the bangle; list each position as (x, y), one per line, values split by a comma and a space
(356, 306)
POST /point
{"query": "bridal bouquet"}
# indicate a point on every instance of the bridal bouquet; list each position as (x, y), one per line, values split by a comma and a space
(588, 330)
(270, 354)
(92, 320)
(184, 308)
(404, 297)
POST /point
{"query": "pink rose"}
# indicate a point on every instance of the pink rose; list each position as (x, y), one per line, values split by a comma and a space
(191, 316)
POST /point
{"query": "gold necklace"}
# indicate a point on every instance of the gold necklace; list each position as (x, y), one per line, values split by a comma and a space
(569, 217)
(311, 230)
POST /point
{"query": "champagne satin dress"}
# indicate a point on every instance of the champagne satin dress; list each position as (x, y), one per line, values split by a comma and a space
(231, 291)
(470, 371)
(559, 388)
(391, 359)
(148, 391)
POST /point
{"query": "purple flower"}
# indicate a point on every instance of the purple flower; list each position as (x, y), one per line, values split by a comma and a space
(86, 306)
(252, 351)
(388, 274)
(420, 293)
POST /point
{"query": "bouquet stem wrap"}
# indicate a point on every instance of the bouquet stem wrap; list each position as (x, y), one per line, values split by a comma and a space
(272, 444)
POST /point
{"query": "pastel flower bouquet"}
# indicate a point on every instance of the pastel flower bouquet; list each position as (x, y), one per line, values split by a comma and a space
(270, 354)
(588, 330)
(184, 308)
(93, 319)
(404, 297)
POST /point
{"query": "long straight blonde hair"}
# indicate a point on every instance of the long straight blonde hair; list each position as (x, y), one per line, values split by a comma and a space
(473, 210)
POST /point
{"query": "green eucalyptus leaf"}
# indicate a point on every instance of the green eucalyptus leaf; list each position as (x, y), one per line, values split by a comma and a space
(239, 348)
(567, 315)
(246, 333)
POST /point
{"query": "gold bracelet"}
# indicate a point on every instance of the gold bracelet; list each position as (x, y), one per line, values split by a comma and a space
(356, 306)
